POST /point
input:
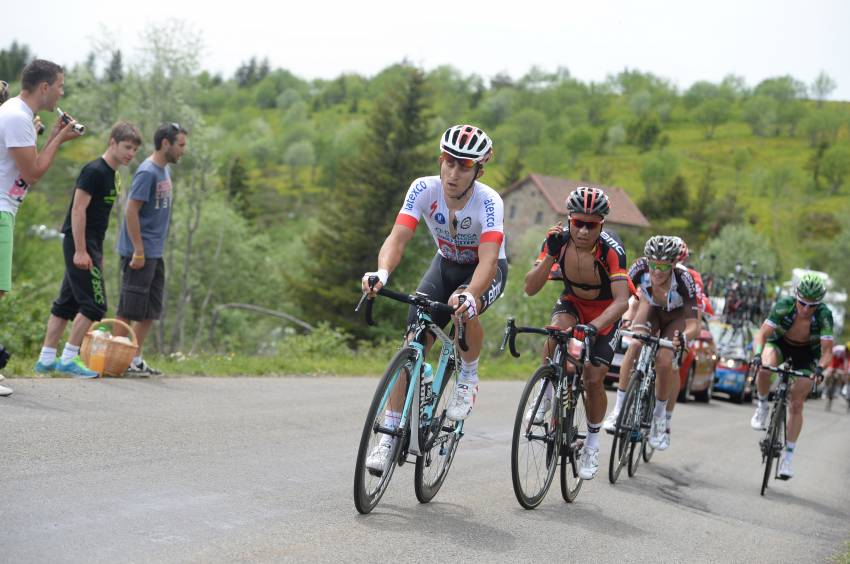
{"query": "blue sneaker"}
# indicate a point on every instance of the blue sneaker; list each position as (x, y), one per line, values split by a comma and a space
(45, 368)
(76, 369)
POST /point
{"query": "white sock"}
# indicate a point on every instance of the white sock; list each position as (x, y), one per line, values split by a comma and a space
(392, 419)
(469, 371)
(47, 356)
(762, 401)
(621, 397)
(593, 435)
(137, 360)
(69, 352)
(660, 408)
(789, 450)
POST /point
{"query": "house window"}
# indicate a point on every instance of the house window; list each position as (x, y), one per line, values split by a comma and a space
(538, 219)
(513, 212)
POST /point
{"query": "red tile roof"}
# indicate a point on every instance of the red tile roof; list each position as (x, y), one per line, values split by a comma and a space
(555, 190)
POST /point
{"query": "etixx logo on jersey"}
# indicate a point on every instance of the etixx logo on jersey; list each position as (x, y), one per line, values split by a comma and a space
(440, 218)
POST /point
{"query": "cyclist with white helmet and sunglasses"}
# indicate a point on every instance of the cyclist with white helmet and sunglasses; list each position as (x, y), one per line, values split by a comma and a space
(465, 218)
(799, 331)
(667, 306)
(591, 262)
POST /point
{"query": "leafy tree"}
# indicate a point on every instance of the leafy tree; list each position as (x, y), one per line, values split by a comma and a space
(713, 113)
(13, 60)
(346, 241)
(578, 141)
(657, 171)
(737, 241)
(835, 166)
(644, 132)
(787, 92)
(823, 125)
(822, 87)
(115, 70)
(297, 156)
(761, 113)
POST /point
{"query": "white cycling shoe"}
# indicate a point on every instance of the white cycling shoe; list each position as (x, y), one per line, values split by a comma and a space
(785, 470)
(540, 414)
(610, 423)
(588, 463)
(658, 432)
(462, 401)
(377, 460)
(759, 420)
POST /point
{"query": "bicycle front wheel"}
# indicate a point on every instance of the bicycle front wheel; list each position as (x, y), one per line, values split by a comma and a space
(627, 426)
(642, 449)
(369, 483)
(770, 450)
(440, 440)
(535, 445)
(575, 433)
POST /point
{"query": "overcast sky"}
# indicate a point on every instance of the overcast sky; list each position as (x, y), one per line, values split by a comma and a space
(681, 40)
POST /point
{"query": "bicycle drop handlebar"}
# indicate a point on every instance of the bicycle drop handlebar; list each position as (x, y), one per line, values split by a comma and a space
(511, 331)
(414, 300)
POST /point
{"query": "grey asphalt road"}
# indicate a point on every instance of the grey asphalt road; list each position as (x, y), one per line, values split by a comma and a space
(261, 469)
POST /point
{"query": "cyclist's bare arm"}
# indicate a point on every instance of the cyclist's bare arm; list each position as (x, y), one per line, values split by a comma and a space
(620, 292)
(691, 329)
(482, 277)
(391, 252)
(538, 275)
(825, 353)
(761, 337)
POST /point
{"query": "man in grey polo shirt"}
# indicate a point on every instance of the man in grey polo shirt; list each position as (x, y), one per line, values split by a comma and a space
(143, 235)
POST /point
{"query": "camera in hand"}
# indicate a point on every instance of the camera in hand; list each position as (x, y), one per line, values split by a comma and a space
(78, 127)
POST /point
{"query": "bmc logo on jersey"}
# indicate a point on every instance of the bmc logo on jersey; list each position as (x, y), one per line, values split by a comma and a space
(440, 218)
(490, 210)
(613, 243)
(415, 190)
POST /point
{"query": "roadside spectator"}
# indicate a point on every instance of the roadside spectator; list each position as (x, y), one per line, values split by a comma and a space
(21, 165)
(82, 296)
(143, 236)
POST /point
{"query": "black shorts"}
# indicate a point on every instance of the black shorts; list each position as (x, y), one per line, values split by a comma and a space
(142, 290)
(443, 277)
(604, 346)
(802, 357)
(82, 291)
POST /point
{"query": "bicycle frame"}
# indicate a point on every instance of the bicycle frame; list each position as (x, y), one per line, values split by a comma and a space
(423, 414)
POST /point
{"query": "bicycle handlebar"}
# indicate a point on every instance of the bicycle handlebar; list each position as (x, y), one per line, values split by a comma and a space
(511, 331)
(780, 370)
(651, 339)
(414, 300)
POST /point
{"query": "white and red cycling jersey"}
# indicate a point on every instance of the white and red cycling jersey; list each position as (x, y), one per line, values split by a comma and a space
(480, 221)
(839, 358)
(702, 300)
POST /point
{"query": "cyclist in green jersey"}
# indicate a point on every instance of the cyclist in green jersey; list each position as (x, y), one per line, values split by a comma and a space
(799, 331)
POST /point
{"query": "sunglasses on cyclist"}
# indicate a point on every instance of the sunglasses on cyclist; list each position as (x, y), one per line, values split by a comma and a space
(662, 266)
(453, 160)
(589, 225)
(804, 303)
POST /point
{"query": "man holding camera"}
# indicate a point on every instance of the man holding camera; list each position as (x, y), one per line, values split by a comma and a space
(21, 165)
(142, 242)
(82, 296)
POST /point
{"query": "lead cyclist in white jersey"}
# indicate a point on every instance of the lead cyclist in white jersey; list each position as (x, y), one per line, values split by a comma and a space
(465, 218)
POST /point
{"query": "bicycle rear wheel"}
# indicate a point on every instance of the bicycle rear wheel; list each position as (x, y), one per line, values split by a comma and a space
(769, 450)
(575, 433)
(627, 424)
(440, 440)
(370, 486)
(646, 451)
(535, 447)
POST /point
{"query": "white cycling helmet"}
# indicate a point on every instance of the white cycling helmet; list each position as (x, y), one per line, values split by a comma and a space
(467, 142)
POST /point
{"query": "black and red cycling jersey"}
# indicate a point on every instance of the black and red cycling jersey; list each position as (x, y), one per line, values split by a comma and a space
(610, 264)
(609, 259)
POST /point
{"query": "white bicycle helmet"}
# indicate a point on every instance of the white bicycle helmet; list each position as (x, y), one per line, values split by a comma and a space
(467, 142)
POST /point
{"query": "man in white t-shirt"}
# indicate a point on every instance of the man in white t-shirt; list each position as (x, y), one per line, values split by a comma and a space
(21, 165)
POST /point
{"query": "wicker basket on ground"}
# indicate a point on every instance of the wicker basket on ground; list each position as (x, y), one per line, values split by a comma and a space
(118, 354)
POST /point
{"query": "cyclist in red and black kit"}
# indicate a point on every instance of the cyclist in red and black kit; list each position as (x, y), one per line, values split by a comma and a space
(591, 262)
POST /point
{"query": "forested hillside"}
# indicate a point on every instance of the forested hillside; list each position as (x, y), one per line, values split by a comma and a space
(289, 185)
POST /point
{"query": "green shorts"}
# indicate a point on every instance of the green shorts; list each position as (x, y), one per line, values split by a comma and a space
(7, 236)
